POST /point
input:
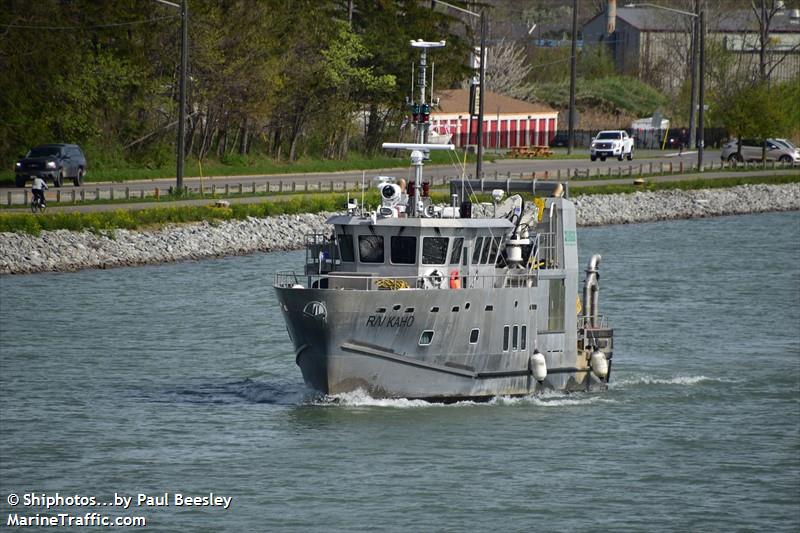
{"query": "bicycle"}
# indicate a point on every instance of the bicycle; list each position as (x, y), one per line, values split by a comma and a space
(37, 204)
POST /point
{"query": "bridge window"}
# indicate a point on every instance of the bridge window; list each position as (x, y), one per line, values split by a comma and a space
(487, 245)
(476, 253)
(370, 248)
(346, 248)
(434, 250)
(455, 254)
(404, 250)
(493, 253)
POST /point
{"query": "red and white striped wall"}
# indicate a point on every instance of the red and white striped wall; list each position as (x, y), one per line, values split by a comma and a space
(507, 132)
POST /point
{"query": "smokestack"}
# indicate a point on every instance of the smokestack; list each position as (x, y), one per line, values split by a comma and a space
(611, 16)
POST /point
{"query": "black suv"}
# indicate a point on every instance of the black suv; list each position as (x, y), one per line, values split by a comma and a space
(52, 161)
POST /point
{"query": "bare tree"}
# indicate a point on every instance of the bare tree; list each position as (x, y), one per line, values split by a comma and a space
(506, 68)
(765, 11)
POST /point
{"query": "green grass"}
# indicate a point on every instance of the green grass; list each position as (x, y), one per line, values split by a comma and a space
(243, 166)
(306, 203)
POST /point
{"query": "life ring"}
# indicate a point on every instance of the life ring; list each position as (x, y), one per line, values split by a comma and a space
(455, 281)
(434, 279)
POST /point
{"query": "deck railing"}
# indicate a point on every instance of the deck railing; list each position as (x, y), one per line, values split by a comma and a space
(368, 281)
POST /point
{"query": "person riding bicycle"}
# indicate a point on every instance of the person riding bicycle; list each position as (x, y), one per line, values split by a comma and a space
(37, 189)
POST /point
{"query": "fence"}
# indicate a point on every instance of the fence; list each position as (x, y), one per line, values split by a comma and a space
(113, 194)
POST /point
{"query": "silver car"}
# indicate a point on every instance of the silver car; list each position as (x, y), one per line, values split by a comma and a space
(777, 150)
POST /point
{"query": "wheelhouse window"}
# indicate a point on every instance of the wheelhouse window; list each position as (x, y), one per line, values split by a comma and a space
(426, 337)
(346, 248)
(404, 250)
(476, 253)
(455, 254)
(487, 245)
(434, 250)
(370, 248)
(493, 252)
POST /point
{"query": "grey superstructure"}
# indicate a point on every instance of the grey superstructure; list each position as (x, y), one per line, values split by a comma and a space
(469, 300)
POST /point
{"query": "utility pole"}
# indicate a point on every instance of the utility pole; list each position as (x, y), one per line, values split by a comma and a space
(182, 96)
(693, 89)
(482, 78)
(572, 78)
(701, 141)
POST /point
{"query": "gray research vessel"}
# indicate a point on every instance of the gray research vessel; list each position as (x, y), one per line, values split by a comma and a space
(469, 300)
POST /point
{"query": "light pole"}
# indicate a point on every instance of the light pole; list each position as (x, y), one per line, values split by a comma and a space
(700, 16)
(181, 142)
(572, 78)
(481, 79)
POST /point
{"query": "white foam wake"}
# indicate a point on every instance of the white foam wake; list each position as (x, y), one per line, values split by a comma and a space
(360, 398)
(675, 380)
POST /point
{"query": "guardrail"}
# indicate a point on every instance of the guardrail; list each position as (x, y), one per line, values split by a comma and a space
(113, 193)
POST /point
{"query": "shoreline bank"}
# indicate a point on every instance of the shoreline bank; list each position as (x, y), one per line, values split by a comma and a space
(66, 251)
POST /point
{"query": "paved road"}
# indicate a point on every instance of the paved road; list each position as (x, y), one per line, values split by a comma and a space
(574, 186)
(502, 167)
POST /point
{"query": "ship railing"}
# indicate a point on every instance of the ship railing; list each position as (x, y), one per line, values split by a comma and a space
(593, 322)
(371, 281)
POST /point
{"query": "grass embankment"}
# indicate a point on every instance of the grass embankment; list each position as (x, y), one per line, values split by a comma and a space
(251, 166)
(306, 203)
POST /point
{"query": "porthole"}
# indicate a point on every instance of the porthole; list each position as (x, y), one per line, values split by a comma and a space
(455, 309)
(489, 308)
(473, 336)
(516, 303)
(466, 305)
(396, 307)
(434, 309)
(426, 337)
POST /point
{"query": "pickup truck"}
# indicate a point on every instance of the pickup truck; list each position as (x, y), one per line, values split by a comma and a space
(611, 143)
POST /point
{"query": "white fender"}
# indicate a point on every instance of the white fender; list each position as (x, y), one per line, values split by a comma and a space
(538, 366)
(599, 364)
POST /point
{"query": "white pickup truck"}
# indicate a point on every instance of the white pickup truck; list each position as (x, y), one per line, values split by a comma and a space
(611, 143)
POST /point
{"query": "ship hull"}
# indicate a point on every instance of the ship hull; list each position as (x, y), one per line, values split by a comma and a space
(376, 341)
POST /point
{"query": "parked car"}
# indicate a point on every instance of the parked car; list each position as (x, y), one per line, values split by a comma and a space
(752, 149)
(560, 139)
(54, 162)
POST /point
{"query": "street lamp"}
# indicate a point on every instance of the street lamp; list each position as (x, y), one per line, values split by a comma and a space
(701, 17)
(481, 78)
(181, 148)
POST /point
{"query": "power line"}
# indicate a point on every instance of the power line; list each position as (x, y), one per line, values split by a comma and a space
(98, 26)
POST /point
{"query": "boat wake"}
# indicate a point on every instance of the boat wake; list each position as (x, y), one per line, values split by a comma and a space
(675, 380)
(361, 398)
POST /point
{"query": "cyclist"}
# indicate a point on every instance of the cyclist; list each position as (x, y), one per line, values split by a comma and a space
(37, 189)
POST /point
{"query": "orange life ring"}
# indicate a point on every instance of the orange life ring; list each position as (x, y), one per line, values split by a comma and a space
(455, 282)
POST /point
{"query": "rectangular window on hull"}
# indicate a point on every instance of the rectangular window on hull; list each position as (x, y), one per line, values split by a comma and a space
(426, 337)
(523, 338)
(370, 248)
(346, 248)
(434, 250)
(473, 336)
(404, 250)
(506, 331)
(555, 306)
(515, 338)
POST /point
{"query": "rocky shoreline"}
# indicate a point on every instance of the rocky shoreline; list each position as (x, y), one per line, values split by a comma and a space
(63, 250)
